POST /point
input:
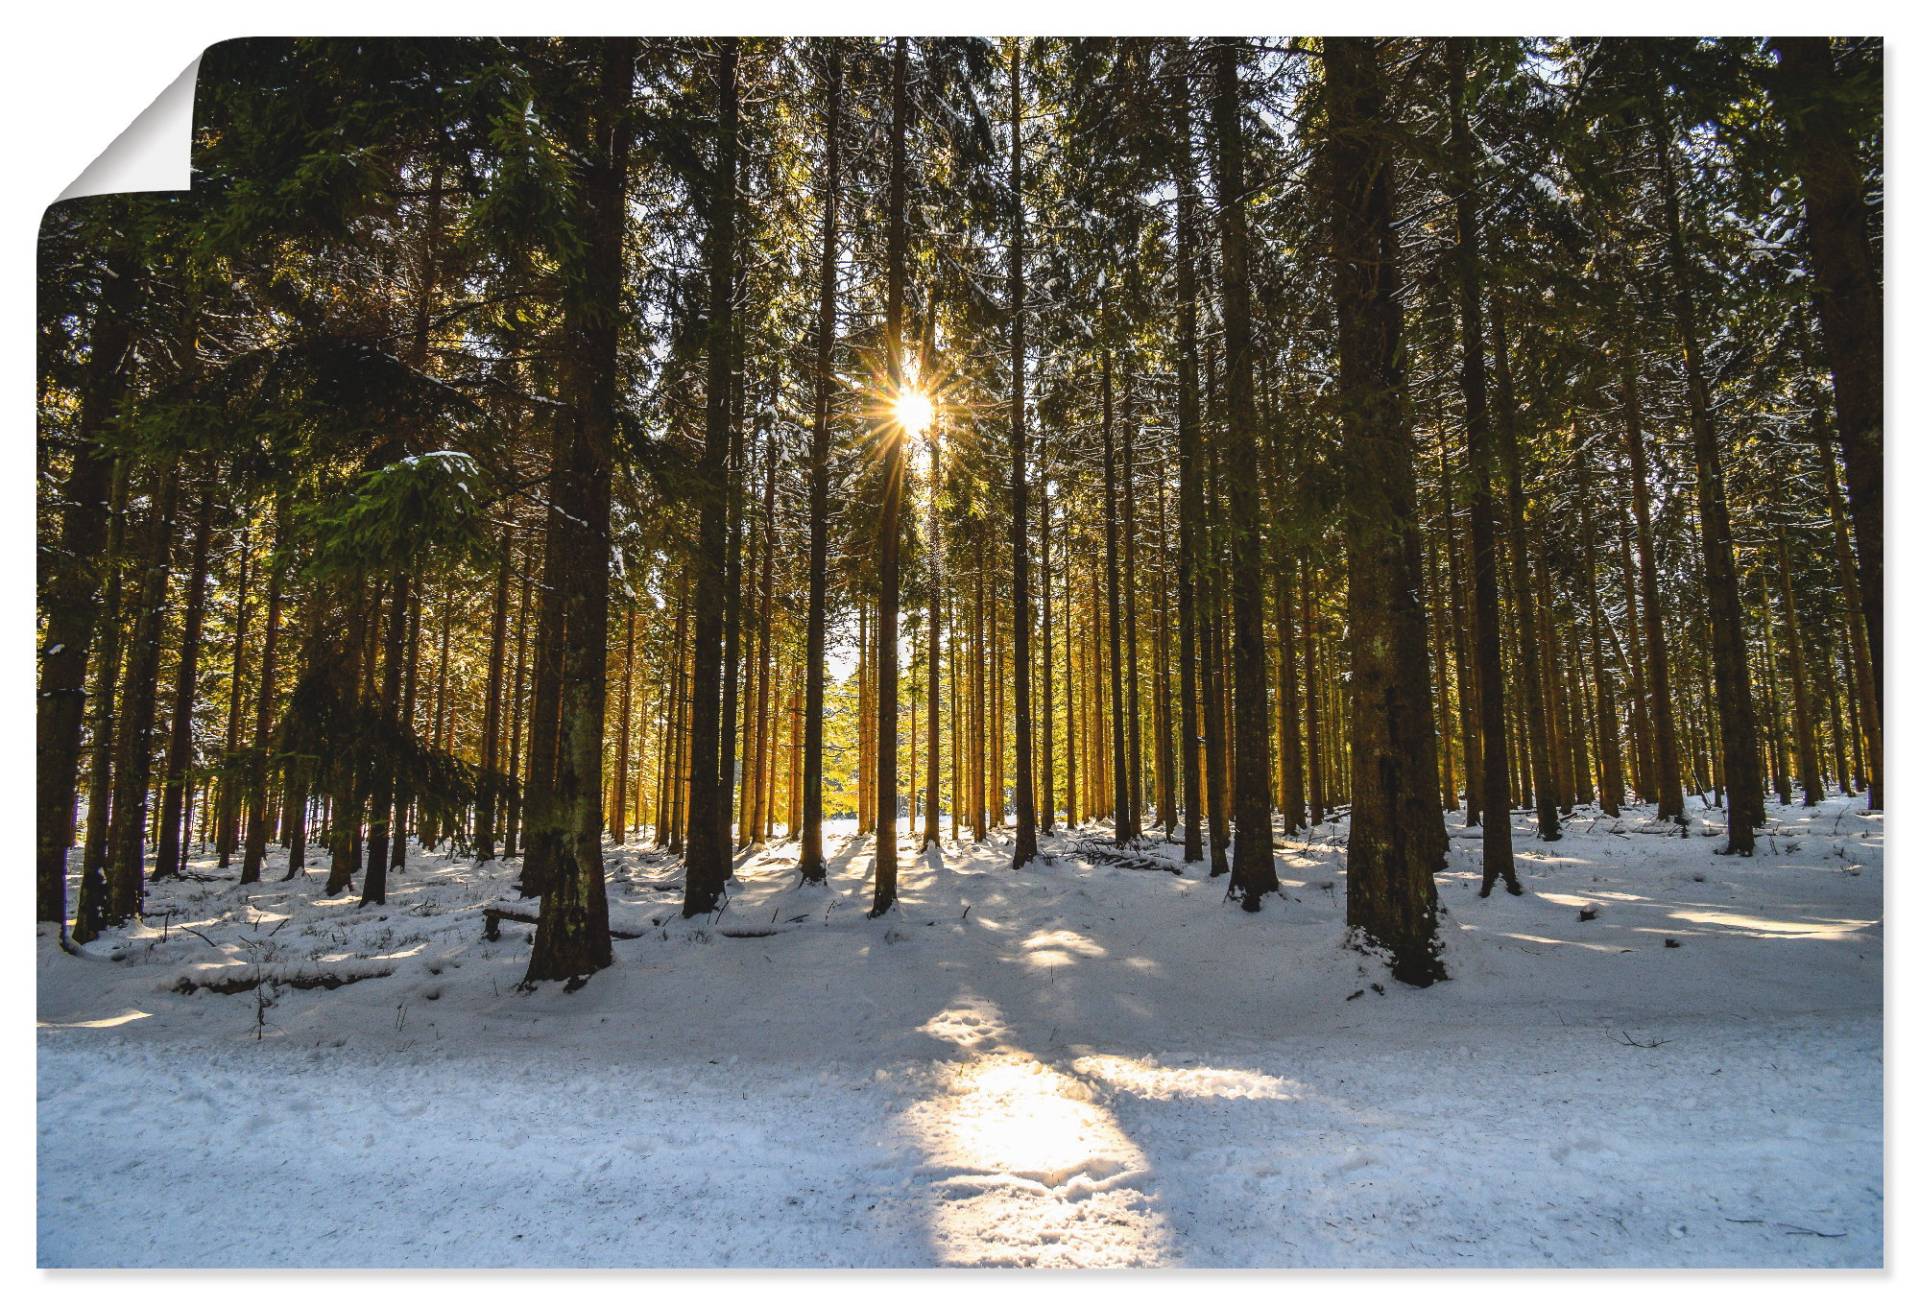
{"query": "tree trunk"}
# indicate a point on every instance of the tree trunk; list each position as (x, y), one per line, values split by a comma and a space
(373, 888)
(1394, 846)
(92, 896)
(1253, 871)
(1848, 298)
(256, 838)
(812, 862)
(1490, 712)
(708, 847)
(623, 747)
(1122, 814)
(133, 762)
(1732, 682)
(1806, 753)
(1859, 659)
(572, 938)
(1192, 523)
(1527, 651)
(1025, 843)
(228, 819)
(1606, 714)
(1666, 752)
(519, 689)
(886, 852)
(170, 856)
(70, 583)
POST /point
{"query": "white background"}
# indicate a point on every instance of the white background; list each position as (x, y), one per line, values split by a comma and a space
(78, 73)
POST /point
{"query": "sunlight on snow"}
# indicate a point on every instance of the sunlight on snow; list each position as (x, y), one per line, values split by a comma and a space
(1544, 941)
(1755, 927)
(1026, 1168)
(1143, 1078)
(1052, 947)
(108, 1022)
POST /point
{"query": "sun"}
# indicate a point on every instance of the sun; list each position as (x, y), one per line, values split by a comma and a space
(913, 409)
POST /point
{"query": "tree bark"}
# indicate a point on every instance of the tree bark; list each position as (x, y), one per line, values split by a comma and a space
(708, 858)
(170, 855)
(572, 939)
(70, 579)
(1192, 523)
(1491, 710)
(373, 888)
(886, 851)
(1253, 870)
(256, 836)
(1123, 832)
(812, 862)
(1731, 679)
(1394, 847)
(1025, 842)
(1847, 296)
(1545, 794)
(133, 762)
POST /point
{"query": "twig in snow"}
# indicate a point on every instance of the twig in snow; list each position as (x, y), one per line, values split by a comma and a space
(1792, 1229)
(201, 936)
(1626, 1039)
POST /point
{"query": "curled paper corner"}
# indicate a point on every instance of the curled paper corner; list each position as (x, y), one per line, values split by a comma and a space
(153, 153)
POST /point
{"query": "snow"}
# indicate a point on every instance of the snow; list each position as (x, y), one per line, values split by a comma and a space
(1069, 1064)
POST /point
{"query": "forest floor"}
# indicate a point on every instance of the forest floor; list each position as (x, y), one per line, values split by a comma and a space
(1075, 1063)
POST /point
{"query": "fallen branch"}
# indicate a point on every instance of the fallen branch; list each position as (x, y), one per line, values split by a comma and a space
(328, 979)
(1106, 855)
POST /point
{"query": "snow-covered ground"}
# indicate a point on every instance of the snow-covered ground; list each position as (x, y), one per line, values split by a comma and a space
(1071, 1064)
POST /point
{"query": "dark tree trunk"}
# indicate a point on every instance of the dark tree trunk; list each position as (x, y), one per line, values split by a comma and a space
(1666, 751)
(1546, 802)
(708, 857)
(1466, 681)
(227, 823)
(572, 939)
(886, 851)
(736, 476)
(1491, 710)
(1316, 778)
(513, 733)
(1733, 685)
(1047, 794)
(1806, 753)
(1606, 714)
(403, 794)
(1166, 800)
(489, 795)
(812, 862)
(1253, 871)
(70, 583)
(380, 785)
(170, 854)
(1857, 657)
(1394, 847)
(1848, 298)
(256, 789)
(133, 761)
(1025, 843)
(1123, 832)
(1136, 780)
(1192, 522)
(92, 897)
(540, 830)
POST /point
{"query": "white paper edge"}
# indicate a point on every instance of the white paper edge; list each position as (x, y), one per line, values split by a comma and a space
(155, 152)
